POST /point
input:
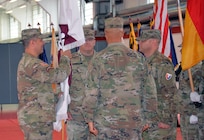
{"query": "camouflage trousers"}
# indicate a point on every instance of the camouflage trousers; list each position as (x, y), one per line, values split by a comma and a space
(78, 131)
(159, 134)
(37, 131)
(193, 132)
(107, 133)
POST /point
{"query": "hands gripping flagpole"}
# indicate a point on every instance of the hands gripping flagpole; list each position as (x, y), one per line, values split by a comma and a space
(71, 35)
(64, 99)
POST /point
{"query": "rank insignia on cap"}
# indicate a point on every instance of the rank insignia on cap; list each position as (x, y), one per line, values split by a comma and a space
(168, 76)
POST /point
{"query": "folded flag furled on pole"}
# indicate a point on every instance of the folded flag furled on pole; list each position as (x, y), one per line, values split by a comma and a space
(193, 40)
(139, 28)
(71, 35)
(173, 51)
(151, 23)
(132, 38)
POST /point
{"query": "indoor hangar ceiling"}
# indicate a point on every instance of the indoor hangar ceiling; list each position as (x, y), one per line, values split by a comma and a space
(144, 14)
(9, 5)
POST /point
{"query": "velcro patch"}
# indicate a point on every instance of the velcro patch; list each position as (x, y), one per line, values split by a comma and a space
(168, 76)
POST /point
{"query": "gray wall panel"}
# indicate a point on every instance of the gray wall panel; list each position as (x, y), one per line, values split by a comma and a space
(10, 54)
(4, 72)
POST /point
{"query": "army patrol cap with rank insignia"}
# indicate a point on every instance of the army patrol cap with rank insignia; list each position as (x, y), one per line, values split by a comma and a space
(31, 33)
(114, 22)
(89, 34)
(147, 34)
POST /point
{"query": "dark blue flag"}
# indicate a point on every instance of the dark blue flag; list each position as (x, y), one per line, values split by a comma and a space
(43, 56)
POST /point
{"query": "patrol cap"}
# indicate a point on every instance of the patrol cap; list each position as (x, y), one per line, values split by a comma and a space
(31, 33)
(114, 22)
(89, 34)
(147, 34)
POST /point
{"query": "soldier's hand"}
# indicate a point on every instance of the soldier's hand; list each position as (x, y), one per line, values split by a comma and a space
(163, 125)
(193, 119)
(66, 53)
(195, 97)
(145, 127)
(69, 116)
(92, 129)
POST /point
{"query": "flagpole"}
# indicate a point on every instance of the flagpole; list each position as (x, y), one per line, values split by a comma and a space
(62, 129)
(182, 33)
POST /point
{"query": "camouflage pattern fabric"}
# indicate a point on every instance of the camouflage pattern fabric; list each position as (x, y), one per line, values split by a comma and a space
(77, 128)
(39, 131)
(118, 97)
(163, 73)
(35, 94)
(187, 107)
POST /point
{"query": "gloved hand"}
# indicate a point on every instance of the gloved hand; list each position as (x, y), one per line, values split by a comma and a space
(193, 119)
(195, 97)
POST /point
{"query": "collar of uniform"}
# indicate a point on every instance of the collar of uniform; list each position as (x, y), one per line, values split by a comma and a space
(114, 44)
(149, 59)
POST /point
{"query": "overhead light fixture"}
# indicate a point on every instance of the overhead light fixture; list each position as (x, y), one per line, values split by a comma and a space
(23, 6)
(12, 1)
(37, 0)
(8, 12)
(1, 6)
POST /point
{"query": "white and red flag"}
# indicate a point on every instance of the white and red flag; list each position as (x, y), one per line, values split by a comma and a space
(71, 35)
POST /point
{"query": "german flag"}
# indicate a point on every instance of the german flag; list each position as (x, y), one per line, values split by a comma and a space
(193, 40)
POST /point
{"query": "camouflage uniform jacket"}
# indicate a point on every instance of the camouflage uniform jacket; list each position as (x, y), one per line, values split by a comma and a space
(164, 75)
(77, 88)
(186, 106)
(35, 93)
(117, 90)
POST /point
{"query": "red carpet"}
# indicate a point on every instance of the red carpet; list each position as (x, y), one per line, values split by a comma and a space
(10, 130)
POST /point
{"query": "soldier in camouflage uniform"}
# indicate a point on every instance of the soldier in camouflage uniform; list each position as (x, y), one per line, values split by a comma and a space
(77, 128)
(163, 73)
(121, 93)
(191, 103)
(36, 110)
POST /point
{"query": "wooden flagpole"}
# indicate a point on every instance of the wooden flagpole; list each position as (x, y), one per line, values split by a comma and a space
(54, 64)
(63, 130)
(182, 32)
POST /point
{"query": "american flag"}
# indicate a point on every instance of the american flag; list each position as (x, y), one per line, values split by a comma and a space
(161, 22)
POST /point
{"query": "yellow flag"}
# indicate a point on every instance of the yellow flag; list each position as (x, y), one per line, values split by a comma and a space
(132, 38)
